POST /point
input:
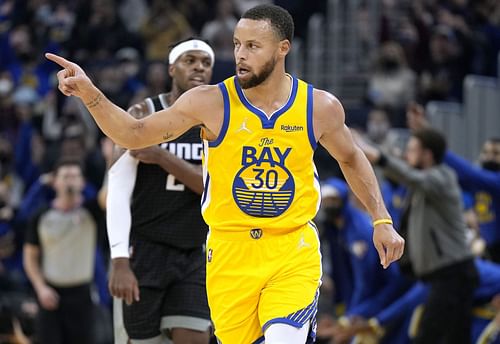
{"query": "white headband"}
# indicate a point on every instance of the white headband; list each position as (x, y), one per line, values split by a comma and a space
(194, 44)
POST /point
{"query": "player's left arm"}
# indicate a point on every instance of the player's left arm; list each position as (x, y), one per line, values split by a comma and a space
(335, 136)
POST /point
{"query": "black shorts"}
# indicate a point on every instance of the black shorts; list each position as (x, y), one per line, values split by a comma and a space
(172, 290)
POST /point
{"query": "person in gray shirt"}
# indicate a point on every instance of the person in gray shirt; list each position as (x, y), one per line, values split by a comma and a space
(433, 226)
(59, 255)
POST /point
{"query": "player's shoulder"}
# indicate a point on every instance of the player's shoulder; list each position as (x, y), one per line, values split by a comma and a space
(325, 103)
(207, 97)
(325, 99)
(204, 90)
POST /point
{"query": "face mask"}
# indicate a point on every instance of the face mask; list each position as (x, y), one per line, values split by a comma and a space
(389, 64)
(491, 165)
(70, 190)
(333, 213)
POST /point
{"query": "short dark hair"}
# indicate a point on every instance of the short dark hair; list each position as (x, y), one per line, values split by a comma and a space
(68, 161)
(494, 140)
(279, 18)
(432, 140)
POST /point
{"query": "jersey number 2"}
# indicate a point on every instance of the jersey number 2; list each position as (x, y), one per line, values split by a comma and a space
(172, 185)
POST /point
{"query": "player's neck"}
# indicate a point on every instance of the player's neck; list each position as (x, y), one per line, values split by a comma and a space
(173, 95)
(278, 85)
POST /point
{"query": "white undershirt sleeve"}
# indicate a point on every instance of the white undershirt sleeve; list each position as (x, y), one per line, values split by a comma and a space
(121, 182)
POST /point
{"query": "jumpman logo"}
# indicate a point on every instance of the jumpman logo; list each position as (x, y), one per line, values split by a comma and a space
(302, 243)
(244, 126)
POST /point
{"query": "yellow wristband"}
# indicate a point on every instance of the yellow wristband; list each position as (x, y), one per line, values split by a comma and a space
(381, 221)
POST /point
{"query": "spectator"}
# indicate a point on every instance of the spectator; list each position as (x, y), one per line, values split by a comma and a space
(10, 185)
(356, 271)
(59, 258)
(220, 30)
(113, 79)
(164, 26)
(442, 76)
(391, 84)
(196, 12)
(433, 224)
(486, 298)
(133, 13)
(24, 65)
(129, 63)
(9, 122)
(486, 37)
(16, 306)
(101, 32)
(394, 196)
(484, 183)
(156, 80)
(380, 131)
(360, 283)
(11, 331)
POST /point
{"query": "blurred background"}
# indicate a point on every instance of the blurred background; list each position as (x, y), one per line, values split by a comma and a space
(389, 61)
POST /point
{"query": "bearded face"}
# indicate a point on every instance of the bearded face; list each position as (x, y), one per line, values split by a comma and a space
(247, 78)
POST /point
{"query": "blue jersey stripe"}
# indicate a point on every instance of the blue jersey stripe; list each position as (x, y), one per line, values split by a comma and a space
(225, 123)
(205, 189)
(310, 108)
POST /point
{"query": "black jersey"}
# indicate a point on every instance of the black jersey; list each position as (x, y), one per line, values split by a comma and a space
(163, 209)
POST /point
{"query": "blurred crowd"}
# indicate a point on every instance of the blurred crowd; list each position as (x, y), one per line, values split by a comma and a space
(363, 303)
(426, 49)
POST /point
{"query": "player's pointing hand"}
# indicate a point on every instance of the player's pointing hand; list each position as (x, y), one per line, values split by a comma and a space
(72, 79)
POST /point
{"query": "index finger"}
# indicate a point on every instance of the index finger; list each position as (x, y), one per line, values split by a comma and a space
(61, 61)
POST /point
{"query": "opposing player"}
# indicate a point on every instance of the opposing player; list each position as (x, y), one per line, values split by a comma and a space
(154, 200)
(260, 129)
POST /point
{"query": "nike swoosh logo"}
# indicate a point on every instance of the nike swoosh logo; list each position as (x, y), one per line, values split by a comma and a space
(114, 245)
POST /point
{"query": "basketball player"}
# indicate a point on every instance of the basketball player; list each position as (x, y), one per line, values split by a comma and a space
(261, 189)
(163, 284)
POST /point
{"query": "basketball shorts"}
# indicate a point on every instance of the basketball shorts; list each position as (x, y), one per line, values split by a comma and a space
(260, 277)
(172, 290)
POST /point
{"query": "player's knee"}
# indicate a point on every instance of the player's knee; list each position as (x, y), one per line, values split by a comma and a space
(286, 334)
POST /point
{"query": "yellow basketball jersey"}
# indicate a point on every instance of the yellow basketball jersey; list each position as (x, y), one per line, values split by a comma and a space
(259, 172)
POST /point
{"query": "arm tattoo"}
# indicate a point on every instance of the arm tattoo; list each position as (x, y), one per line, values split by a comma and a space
(94, 102)
(167, 136)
